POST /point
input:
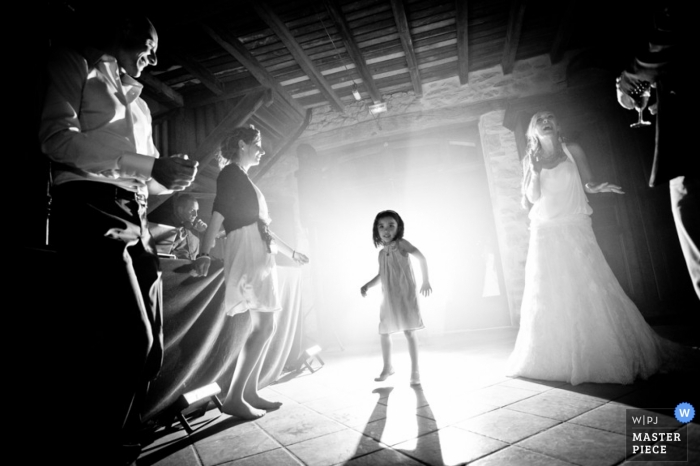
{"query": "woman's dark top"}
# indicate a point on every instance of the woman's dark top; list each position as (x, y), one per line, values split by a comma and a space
(235, 198)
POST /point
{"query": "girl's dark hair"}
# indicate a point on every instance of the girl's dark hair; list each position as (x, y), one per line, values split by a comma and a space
(229, 146)
(375, 228)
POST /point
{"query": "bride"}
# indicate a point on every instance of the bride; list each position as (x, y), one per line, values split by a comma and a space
(577, 324)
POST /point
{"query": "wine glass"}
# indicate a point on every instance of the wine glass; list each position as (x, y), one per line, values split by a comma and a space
(640, 94)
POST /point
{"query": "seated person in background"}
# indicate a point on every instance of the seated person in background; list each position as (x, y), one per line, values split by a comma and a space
(186, 242)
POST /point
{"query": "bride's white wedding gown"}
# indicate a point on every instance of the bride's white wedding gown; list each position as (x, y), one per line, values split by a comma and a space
(577, 324)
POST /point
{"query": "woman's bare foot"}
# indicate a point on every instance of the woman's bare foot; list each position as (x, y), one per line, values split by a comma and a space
(242, 410)
(415, 378)
(259, 402)
(384, 375)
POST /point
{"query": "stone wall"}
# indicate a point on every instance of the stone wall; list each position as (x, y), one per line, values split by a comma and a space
(504, 171)
(445, 103)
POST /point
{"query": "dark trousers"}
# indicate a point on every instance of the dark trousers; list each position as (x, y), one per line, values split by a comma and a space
(112, 343)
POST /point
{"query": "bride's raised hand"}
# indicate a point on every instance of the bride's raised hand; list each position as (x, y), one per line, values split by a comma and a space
(604, 187)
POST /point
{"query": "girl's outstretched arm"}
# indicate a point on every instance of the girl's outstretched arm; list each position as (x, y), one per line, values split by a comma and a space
(425, 289)
(288, 251)
(369, 284)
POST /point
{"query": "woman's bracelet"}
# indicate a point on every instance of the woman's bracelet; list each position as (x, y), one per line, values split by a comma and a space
(203, 254)
(294, 252)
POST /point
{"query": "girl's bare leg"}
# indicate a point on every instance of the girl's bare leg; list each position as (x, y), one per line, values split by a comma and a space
(386, 357)
(262, 326)
(250, 393)
(413, 351)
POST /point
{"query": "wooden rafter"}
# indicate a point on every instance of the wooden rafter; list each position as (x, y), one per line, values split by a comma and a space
(161, 91)
(353, 49)
(233, 89)
(275, 23)
(462, 22)
(237, 116)
(515, 27)
(405, 35)
(283, 147)
(234, 46)
(198, 71)
(564, 32)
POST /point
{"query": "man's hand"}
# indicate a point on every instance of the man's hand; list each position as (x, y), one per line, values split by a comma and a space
(199, 225)
(174, 173)
(201, 266)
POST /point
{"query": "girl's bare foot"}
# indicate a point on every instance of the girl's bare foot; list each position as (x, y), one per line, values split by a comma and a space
(384, 375)
(242, 410)
(415, 378)
(261, 403)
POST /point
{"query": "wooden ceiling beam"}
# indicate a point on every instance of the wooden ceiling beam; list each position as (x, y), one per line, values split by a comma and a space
(353, 49)
(232, 89)
(275, 23)
(198, 71)
(282, 148)
(161, 91)
(462, 23)
(237, 116)
(405, 35)
(234, 46)
(564, 33)
(515, 27)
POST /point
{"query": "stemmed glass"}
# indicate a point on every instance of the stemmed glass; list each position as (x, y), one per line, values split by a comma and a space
(640, 94)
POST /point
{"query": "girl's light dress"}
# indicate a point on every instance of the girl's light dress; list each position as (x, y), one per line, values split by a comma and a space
(399, 310)
(250, 269)
(577, 324)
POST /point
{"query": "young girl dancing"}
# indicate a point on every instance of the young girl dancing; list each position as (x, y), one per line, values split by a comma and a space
(399, 310)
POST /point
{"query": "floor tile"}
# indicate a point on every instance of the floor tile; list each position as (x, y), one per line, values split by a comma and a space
(529, 384)
(185, 457)
(603, 391)
(449, 446)
(448, 411)
(398, 427)
(296, 424)
(229, 445)
(499, 395)
(474, 414)
(359, 415)
(611, 417)
(278, 457)
(384, 457)
(567, 394)
(551, 407)
(515, 456)
(507, 425)
(334, 448)
(578, 444)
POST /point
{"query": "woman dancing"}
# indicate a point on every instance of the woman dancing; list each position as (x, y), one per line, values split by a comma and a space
(249, 266)
(577, 324)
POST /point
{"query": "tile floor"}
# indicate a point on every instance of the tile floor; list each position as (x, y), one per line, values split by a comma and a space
(466, 411)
